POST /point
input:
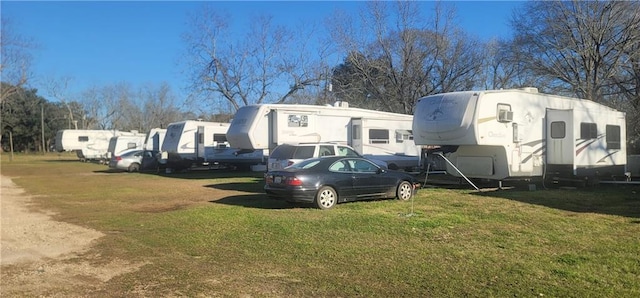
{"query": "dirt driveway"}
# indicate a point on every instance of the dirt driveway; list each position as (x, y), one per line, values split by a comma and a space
(43, 257)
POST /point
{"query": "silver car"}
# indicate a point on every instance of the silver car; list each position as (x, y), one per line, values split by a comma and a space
(135, 161)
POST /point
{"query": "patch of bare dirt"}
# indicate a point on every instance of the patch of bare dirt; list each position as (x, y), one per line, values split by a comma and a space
(43, 257)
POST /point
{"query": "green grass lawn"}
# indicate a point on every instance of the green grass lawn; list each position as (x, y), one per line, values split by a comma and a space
(214, 233)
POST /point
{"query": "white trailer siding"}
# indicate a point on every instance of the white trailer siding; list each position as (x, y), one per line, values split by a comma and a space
(121, 144)
(189, 143)
(383, 135)
(155, 138)
(499, 134)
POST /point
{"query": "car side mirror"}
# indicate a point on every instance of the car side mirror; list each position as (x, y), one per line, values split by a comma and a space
(380, 171)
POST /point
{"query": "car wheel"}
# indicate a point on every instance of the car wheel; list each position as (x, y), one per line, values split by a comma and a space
(326, 198)
(404, 191)
(134, 167)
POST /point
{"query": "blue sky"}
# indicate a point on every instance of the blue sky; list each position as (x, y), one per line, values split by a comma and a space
(139, 42)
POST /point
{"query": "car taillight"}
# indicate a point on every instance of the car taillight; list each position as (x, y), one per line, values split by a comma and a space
(118, 158)
(294, 181)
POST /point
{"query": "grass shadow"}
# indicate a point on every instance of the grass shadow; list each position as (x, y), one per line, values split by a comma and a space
(257, 201)
(620, 200)
(254, 186)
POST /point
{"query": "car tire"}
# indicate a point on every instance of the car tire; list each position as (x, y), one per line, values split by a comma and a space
(134, 167)
(326, 198)
(404, 191)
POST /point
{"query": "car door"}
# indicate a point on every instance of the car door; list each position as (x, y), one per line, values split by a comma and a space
(149, 161)
(367, 180)
(341, 178)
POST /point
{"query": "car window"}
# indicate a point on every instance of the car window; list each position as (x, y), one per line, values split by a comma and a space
(346, 151)
(363, 166)
(339, 166)
(304, 152)
(327, 150)
(283, 152)
(305, 164)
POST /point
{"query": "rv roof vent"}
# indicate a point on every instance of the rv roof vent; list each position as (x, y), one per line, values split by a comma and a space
(530, 89)
(341, 104)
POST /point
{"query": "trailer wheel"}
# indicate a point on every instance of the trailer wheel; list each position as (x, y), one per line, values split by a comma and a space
(134, 167)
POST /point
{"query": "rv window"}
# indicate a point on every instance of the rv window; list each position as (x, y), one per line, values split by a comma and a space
(402, 135)
(131, 146)
(588, 131)
(613, 137)
(219, 137)
(298, 121)
(378, 136)
(504, 113)
(83, 139)
(558, 130)
(356, 132)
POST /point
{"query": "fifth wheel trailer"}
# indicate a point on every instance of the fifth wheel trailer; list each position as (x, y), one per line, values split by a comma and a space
(380, 135)
(200, 143)
(88, 144)
(520, 133)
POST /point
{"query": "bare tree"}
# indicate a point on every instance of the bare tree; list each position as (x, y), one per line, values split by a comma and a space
(159, 106)
(58, 88)
(15, 68)
(268, 64)
(577, 45)
(106, 106)
(409, 55)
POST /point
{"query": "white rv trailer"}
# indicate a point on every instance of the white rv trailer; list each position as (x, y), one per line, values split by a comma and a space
(520, 133)
(88, 144)
(154, 140)
(201, 143)
(380, 135)
(122, 143)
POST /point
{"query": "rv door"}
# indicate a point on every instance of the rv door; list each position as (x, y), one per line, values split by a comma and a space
(355, 139)
(560, 137)
(200, 143)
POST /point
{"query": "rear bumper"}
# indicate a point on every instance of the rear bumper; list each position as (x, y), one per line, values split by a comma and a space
(291, 195)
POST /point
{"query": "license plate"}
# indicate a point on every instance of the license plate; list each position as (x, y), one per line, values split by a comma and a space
(277, 179)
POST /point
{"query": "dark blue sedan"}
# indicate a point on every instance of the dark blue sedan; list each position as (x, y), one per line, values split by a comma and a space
(326, 181)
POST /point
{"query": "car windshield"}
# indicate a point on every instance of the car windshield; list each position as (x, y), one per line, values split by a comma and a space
(305, 164)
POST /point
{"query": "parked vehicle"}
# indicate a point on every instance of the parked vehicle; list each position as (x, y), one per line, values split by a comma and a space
(120, 144)
(200, 143)
(88, 144)
(135, 161)
(520, 134)
(327, 181)
(375, 134)
(287, 154)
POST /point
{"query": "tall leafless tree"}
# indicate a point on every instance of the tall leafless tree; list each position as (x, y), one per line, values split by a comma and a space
(269, 63)
(15, 67)
(398, 55)
(578, 45)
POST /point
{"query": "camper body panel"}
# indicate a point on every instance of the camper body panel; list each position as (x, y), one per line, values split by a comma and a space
(154, 140)
(88, 144)
(373, 133)
(123, 143)
(201, 143)
(501, 134)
